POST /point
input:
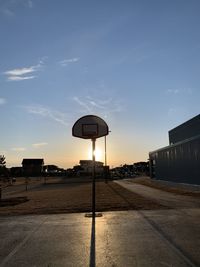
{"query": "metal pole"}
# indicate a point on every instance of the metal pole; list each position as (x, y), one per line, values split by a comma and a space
(105, 170)
(105, 153)
(93, 179)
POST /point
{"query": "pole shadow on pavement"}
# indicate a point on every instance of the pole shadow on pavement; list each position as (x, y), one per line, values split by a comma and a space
(93, 245)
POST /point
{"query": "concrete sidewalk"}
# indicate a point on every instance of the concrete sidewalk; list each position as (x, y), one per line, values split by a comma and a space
(165, 198)
(128, 238)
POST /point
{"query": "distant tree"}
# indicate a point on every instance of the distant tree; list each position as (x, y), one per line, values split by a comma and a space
(50, 168)
(78, 168)
(2, 164)
(16, 171)
(2, 170)
(2, 161)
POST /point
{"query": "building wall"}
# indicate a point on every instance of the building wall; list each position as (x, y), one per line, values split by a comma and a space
(87, 166)
(179, 162)
(185, 131)
(32, 170)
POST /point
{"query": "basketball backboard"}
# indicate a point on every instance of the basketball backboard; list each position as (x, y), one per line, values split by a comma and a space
(90, 127)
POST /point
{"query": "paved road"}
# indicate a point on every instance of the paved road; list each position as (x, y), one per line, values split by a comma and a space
(128, 238)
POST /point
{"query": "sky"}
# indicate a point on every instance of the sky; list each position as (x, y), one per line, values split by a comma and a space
(134, 63)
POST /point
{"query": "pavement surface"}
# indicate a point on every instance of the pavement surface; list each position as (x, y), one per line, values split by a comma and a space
(162, 237)
(127, 238)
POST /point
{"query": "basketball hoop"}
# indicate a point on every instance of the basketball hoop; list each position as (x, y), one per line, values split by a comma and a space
(91, 127)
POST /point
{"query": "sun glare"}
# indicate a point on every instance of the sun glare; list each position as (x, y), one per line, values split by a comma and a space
(98, 154)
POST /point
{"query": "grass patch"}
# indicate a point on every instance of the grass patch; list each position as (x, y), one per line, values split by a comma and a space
(69, 198)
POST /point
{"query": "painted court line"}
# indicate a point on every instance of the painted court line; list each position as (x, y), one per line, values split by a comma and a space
(17, 248)
(181, 253)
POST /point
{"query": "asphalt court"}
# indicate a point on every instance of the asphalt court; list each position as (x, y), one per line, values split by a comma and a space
(127, 238)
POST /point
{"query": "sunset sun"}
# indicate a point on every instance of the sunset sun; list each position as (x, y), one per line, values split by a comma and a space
(98, 154)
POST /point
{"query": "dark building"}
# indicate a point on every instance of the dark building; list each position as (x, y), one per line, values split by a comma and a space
(180, 161)
(87, 166)
(187, 130)
(32, 167)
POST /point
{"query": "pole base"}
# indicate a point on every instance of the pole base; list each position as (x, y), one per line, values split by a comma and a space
(90, 215)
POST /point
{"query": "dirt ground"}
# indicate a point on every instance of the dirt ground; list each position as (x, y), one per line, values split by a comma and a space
(60, 195)
(66, 197)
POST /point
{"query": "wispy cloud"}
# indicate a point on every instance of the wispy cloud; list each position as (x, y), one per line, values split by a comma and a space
(19, 78)
(7, 12)
(85, 105)
(173, 91)
(66, 62)
(2, 101)
(179, 91)
(48, 113)
(30, 3)
(20, 74)
(22, 71)
(92, 105)
(38, 145)
(8, 7)
(18, 149)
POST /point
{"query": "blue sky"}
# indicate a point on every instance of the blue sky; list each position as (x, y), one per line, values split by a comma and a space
(136, 64)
